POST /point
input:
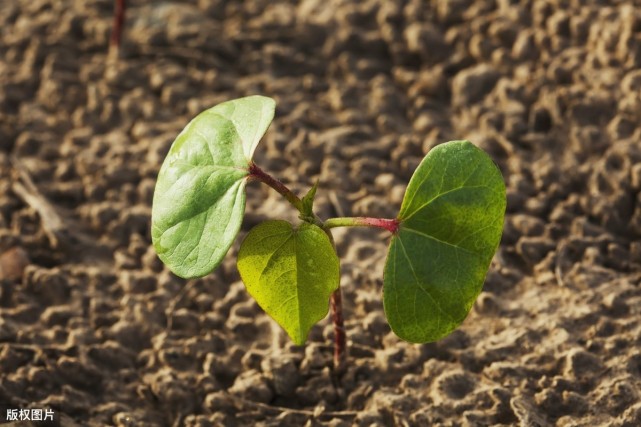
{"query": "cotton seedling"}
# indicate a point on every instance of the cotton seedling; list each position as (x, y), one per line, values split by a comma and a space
(442, 240)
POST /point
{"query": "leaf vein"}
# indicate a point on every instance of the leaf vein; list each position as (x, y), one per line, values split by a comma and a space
(453, 190)
(419, 285)
(411, 230)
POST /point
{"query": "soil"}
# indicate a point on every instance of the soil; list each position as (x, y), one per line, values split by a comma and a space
(93, 325)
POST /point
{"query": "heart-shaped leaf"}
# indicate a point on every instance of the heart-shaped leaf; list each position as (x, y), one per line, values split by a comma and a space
(199, 199)
(451, 222)
(291, 272)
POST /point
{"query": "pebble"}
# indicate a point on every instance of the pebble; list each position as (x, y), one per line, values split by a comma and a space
(13, 263)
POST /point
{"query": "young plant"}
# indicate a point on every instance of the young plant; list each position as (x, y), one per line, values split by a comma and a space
(443, 238)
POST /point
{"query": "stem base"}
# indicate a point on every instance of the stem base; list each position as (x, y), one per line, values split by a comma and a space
(340, 354)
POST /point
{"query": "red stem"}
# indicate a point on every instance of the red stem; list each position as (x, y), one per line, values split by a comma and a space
(390, 225)
(336, 304)
(258, 174)
(119, 18)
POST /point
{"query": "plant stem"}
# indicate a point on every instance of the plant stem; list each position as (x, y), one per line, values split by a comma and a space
(116, 31)
(336, 304)
(390, 225)
(258, 174)
(336, 307)
(336, 301)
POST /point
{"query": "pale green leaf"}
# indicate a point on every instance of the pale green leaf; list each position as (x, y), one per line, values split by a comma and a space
(199, 200)
(291, 272)
(451, 222)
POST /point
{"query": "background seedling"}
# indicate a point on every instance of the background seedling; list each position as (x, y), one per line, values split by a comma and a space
(443, 239)
(116, 28)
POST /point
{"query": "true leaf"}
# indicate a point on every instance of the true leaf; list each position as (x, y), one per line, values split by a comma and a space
(308, 203)
(291, 272)
(199, 200)
(451, 221)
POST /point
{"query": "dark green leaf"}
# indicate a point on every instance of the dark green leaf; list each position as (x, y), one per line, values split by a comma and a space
(451, 222)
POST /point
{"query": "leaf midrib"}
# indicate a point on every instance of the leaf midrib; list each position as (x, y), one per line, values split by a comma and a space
(445, 193)
(200, 212)
(211, 166)
(428, 236)
(292, 235)
(421, 285)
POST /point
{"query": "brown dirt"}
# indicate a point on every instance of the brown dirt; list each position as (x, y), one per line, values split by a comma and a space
(551, 89)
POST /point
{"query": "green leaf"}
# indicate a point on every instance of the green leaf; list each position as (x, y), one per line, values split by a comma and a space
(291, 272)
(199, 199)
(308, 204)
(451, 222)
